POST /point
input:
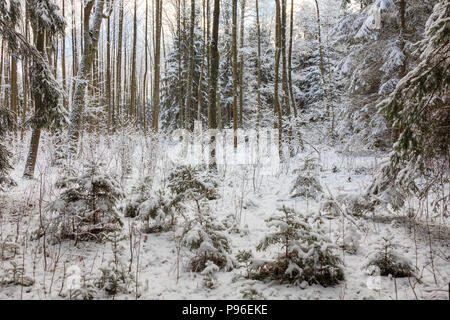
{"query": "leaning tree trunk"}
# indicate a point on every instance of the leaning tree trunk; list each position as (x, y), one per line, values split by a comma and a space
(91, 37)
(38, 104)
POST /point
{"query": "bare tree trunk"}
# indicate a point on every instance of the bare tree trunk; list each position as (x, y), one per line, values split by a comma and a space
(189, 123)
(74, 49)
(291, 35)
(235, 71)
(91, 37)
(180, 62)
(258, 25)
(204, 53)
(14, 89)
(144, 102)
(157, 55)
(276, 100)
(108, 81)
(291, 87)
(133, 67)
(25, 78)
(285, 86)
(212, 121)
(322, 61)
(118, 101)
(63, 59)
(38, 103)
(402, 11)
(241, 65)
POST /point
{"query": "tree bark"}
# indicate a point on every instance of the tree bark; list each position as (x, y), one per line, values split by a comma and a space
(157, 58)
(276, 100)
(215, 59)
(188, 124)
(38, 103)
(133, 90)
(241, 65)
(91, 37)
(258, 26)
(235, 71)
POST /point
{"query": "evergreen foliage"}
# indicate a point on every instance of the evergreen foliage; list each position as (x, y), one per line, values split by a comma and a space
(86, 208)
(306, 254)
(388, 261)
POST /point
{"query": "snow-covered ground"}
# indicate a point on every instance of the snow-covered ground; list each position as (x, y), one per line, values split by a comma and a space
(250, 198)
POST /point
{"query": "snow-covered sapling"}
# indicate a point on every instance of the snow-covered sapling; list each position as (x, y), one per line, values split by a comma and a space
(158, 208)
(306, 253)
(245, 257)
(209, 273)
(350, 242)
(307, 184)
(188, 179)
(115, 277)
(388, 260)
(85, 291)
(206, 238)
(86, 208)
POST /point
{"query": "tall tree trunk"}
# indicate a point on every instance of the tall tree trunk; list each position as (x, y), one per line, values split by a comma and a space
(321, 54)
(235, 71)
(144, 102)
(108, 81)
(215, 59)
(91, 37)
(258, 26)
(118, 101)
(180, 72)
(276, 100)
(63, 59)
(241, 65)
(38, 103)
(204, 53)
(157, 58)
(291, 35)
(402, 11)
(291, 86)
(286, 100)
(133, 67)
(14, 89)
(189, 123)
(25, 68)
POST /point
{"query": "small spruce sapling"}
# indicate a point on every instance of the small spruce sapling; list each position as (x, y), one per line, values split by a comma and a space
(306, 184)
(209, 273)
(87, 206)
(245, 257)
(159, 209)
(307, 254)
(187, 179)
(115, 277)
(388, 260)
(207, 239)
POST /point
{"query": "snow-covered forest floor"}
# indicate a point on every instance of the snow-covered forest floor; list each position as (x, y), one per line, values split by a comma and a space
(44, 268)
